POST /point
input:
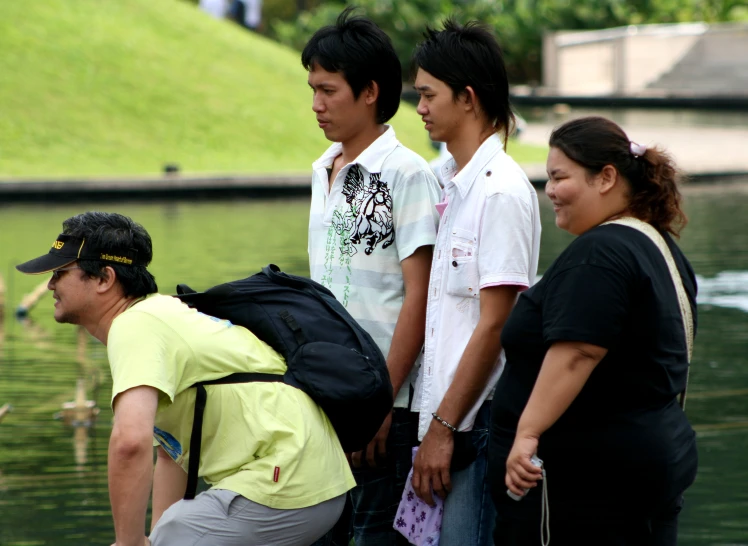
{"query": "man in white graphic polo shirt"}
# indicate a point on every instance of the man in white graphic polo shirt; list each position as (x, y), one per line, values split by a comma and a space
(371, 230)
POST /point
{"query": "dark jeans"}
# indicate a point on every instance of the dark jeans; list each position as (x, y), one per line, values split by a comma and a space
(468, 511)
(372, 504)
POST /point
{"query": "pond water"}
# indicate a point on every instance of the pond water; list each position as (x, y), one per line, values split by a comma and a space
(650, 117)
(53, 483)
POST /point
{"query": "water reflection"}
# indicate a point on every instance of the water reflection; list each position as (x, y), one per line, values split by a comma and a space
(653, 117)
(53, 487)
(727, 289)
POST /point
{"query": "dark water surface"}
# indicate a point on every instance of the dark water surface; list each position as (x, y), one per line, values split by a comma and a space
(53, 483)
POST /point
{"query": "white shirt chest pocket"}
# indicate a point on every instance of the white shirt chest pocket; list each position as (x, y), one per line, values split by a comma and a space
(463, 277)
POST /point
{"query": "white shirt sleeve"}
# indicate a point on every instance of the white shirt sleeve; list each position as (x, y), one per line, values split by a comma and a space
(506, 241)
(414, 212)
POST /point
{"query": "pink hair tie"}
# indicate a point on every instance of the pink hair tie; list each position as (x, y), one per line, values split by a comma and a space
(638, 150)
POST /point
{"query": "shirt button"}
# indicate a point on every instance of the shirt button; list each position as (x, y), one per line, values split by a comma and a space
(488, 173)
(454, 263)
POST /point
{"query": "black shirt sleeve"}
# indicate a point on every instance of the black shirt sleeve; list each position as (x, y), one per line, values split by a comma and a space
(588, 298)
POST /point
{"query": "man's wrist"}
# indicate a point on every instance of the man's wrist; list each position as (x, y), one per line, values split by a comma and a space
(442, 425)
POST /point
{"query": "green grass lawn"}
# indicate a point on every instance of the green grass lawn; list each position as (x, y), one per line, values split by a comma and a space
(121, 87)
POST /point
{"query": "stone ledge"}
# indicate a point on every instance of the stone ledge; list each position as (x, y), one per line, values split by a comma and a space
(224, 187)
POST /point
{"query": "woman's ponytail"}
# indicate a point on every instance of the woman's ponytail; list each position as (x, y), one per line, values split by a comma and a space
(655, 197)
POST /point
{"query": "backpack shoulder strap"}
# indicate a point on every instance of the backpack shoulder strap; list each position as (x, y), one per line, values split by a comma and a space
(274, 273)
(685, 305)
(315, 290)
(196, 437)
(184, 289)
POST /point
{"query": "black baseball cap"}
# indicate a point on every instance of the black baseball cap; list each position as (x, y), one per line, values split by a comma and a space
(67, 249)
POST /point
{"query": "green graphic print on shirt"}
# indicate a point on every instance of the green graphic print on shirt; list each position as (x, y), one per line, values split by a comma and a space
(366, 220)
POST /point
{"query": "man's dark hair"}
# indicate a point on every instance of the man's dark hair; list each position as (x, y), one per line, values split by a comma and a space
(469, 55)
(357, 48)
(112, 233)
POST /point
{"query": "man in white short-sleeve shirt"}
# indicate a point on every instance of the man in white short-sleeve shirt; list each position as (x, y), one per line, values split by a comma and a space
(372, 227)
(483, 242)
(376, 213)
(486, 251)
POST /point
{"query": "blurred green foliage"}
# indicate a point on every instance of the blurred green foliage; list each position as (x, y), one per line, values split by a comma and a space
(519, 24)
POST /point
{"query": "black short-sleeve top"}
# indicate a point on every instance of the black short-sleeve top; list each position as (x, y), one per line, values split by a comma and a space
(612, 288)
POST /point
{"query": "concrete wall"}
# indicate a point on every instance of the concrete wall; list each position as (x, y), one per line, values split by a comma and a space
(588, 69)
(647, 58)
(619, 61)
(717, 65)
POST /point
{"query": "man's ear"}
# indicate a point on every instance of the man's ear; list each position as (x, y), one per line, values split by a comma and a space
(371, 93)
(469, 99)
(107, 281)
(609, 177)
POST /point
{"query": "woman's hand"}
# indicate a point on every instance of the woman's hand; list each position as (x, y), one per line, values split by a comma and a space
(521, 474)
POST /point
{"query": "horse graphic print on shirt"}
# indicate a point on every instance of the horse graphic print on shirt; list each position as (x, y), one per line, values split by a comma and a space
(365, 219)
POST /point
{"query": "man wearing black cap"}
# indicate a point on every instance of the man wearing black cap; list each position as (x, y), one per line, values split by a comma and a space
(263, 491)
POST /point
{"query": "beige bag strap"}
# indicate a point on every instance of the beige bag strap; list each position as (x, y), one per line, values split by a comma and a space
(685, 306)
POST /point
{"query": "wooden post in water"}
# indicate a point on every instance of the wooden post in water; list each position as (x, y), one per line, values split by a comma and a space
(2, 300)
(31, 299)
(2, 312)
(82, 348)
(79, 412)
(87, 367)
(5, 410)
(80, 446)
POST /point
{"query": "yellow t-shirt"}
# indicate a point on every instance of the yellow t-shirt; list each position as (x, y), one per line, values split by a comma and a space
(269, 442)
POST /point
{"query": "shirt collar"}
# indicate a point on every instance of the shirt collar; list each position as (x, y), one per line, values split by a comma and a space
(371, 159)
(463, 180)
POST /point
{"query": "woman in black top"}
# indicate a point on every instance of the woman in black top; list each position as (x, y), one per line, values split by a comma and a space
(596, 358)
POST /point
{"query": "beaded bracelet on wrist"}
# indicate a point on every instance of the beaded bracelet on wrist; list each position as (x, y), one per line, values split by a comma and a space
(443, 422)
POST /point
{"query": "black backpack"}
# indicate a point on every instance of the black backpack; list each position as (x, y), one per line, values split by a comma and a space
(329, 356)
